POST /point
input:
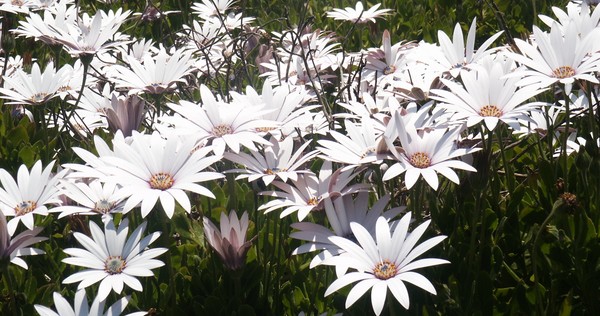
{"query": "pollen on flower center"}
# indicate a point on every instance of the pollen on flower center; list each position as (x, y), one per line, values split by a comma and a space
(389, 70)
(385, 270)
(563, 72)
(420, 160)
(161, 181)
(313, 201)
(367, 152)
(114, 265)
(490, 110)
(264, 129)
(222, 129)
(103, 206)
(274, 171)
(64, 88)
(38, 97)
(25, 207)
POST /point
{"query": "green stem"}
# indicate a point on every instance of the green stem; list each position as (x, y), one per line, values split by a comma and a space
(237, 283)
(474, 256)
(232, 203)
(159, 217)
(535, 250)
(85, 60)
(564, 156)
(513, 275)
(510, 178)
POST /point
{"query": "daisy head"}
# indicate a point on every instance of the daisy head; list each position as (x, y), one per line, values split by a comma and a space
(424, 153)
(32, 193)
(358, 14)
(113, 259)
(384, 261)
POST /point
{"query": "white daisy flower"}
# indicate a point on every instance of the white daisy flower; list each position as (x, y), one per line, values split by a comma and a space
(455, 55)
(210, 8)
(424, 153)
(150, 168)
(384, 262)
(92, 35)
(225, 124)
(487, 96)
(30, 194)
(15, 7)
(35, 88)
(309, 193)
(282, 105)
(363, 144)
(94, 198)
(45, 28)
(384, 65)
(340, 213)
(157, 74)
(279, 160)
(358, 14)
(12, 248)
(125, 114)
(584, 18)
(539, 121)
(81, 307)
(113, 259)
(555, 57)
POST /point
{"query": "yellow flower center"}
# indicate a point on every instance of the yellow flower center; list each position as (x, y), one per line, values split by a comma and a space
(313, 201)
(25, 207)
(264, 129)
(367, 152)
(274, 171)
(161, 181)
(490, 110)
(385, 270)
(420, 160)
(389, 70)
(114, 265)
(563, 72)
(222, 129)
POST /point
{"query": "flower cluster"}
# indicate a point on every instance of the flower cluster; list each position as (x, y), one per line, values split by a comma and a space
(346, 141)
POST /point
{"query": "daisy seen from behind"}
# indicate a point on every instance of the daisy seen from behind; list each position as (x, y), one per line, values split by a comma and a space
(12, 248)
(113, 259)
(384, 261)
(230, 241)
